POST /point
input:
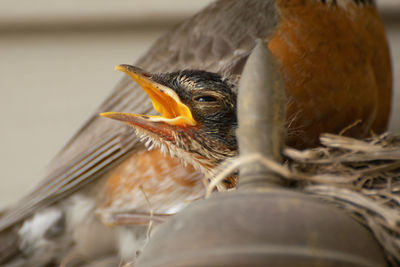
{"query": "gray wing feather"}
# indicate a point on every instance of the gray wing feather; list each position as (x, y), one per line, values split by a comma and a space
(217, 39)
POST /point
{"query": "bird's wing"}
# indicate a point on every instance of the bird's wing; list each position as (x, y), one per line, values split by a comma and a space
(217, 39)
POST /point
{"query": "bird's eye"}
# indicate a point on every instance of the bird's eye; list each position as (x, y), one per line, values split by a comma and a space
(205, 99)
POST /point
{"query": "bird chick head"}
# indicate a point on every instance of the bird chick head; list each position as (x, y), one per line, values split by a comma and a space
(197, 118)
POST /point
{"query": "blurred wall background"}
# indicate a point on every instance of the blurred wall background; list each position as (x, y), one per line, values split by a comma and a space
(56, 66)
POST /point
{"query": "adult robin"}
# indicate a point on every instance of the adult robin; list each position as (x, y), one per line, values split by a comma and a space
(333, 57)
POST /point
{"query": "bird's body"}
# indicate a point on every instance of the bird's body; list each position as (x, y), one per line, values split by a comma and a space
(324, 47)
(104, 187)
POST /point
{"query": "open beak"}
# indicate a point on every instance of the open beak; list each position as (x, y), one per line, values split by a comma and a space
(165, 101)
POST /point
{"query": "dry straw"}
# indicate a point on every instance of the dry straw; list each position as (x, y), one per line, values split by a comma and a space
(359, 176)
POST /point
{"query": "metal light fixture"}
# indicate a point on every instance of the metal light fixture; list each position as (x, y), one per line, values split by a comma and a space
(262, 223)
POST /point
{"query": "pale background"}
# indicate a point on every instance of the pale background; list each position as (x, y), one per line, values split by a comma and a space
(56, 66)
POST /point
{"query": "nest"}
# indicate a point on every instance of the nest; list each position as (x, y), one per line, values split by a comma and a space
(360, 176)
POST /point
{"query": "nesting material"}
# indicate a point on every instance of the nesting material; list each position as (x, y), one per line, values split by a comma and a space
(359, 176)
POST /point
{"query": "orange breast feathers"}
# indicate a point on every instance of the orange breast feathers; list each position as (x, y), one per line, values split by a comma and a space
(336, 68)
(150, 182)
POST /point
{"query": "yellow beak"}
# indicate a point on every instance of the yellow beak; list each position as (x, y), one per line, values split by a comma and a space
(164, 100)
